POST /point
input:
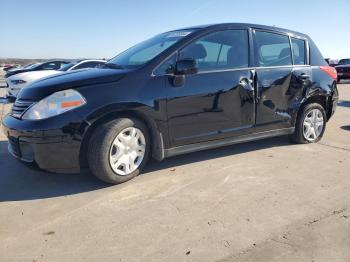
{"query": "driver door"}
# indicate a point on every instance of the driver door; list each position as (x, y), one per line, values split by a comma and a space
(218, 101)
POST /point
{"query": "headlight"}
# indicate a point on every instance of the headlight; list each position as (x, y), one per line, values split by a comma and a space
(55, 104)
(17, 82)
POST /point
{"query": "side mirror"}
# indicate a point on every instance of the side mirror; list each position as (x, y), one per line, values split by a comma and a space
(186, 67)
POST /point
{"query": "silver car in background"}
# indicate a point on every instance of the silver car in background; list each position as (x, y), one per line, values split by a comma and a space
(16, 82)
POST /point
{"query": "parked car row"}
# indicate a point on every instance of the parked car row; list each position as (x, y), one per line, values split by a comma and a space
(181, 91)
(20, 78)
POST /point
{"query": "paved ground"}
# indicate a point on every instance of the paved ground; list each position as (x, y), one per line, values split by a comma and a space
(260, 201)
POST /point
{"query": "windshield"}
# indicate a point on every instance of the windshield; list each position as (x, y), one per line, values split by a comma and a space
(30, 66)
(65, 67)
(27, 66)
(344, 62)
(35, 65)
(147, 50)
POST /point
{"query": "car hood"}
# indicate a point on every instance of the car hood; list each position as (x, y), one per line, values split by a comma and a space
(72, 79)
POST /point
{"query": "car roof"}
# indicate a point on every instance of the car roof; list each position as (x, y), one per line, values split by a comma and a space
(244, 25)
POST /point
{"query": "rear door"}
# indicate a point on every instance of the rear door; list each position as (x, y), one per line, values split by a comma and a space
(279, 78)
(218, 101)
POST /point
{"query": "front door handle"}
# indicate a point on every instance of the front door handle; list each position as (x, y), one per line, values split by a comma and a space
(304, 76)
(247, 84)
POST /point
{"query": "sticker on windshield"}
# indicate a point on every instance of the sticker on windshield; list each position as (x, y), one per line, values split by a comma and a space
(178, 34)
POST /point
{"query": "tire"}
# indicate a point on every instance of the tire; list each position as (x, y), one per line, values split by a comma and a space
(299, 135)
(103, 145)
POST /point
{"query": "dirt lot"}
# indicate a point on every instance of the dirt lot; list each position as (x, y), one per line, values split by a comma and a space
(261, 201)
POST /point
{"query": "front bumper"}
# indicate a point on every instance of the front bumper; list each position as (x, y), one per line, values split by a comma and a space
(50, 150)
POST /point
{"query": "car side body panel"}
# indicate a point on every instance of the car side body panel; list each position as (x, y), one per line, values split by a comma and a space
(209, 109)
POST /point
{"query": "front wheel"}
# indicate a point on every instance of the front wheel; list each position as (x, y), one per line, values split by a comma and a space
(118, 150)
(310, 124)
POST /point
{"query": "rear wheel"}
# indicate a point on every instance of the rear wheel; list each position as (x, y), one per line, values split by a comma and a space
(118, 150)
(310, 124)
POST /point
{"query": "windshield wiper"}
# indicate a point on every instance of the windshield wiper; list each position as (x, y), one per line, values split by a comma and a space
(113, 66)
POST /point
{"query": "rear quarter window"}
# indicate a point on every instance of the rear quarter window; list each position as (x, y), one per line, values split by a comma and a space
(298, 47)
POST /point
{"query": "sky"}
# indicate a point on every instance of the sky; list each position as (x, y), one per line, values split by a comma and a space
(103, 28)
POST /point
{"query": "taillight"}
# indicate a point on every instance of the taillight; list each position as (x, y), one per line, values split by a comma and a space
(329, 71)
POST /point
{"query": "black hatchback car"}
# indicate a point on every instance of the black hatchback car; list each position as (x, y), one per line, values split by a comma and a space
(178, 92)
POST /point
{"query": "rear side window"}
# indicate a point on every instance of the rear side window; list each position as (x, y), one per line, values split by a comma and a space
(298, 47)
(220, 50)
(272, 49)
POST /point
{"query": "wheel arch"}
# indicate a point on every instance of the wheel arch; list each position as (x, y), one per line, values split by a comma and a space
(156, 137)
(324, 100)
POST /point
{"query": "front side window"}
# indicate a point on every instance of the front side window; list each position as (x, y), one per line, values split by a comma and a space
(145, 51)
(272, 49)
(220, 50)
(298, 47)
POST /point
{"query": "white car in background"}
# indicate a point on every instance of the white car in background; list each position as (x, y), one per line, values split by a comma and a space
(16, 82)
